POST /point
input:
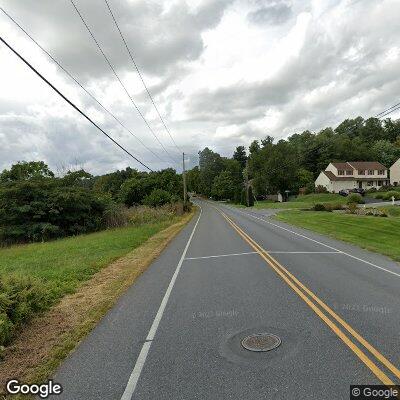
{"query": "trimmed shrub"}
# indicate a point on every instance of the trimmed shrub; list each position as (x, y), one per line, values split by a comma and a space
(333, 206)
(352, 208)
(355, 198)
(321, 189)
(319, 207)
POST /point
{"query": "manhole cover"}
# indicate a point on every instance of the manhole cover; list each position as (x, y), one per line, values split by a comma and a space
(261, 342)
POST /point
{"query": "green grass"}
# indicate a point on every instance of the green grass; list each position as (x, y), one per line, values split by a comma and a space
(377, 234)
(64, 263)
(392, 211)
(305, 201)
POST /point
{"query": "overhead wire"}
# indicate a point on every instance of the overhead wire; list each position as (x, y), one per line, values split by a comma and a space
(72, 104)
(140, 75)
(80, 85)
(119, 80)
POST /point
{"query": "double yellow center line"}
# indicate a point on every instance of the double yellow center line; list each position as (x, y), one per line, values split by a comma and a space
(324, 312)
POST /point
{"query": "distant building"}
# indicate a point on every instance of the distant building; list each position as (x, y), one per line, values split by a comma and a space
(353, 174)
(395, 173)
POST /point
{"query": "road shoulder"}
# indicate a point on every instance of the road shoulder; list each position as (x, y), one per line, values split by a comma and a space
(56, 333)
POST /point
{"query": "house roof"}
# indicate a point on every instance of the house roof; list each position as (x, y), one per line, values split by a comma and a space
(367, 165)
(333, 177)
(341, 165)
(363, 165)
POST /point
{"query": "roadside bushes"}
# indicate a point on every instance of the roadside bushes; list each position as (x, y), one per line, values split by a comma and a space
(157, 198)
(20, 299)
(144, 214)
(43, 209)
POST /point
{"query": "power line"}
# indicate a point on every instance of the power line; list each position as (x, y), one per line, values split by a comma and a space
(79, 84)
(140, 75)
(389, 112)
(119, 80)
(383, 112)
(72, 104)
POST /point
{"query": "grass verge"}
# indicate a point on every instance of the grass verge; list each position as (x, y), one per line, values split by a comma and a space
(380, 235)
(49, 338)
(306, 201)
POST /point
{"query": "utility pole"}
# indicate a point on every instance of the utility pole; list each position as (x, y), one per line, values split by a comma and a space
(246, 178)
(184, 180)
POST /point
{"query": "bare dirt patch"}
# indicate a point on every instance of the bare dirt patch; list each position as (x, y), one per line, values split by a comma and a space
(49, 338)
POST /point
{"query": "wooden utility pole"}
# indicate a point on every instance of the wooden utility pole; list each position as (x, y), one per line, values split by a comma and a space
(184, 180)
(247, 183)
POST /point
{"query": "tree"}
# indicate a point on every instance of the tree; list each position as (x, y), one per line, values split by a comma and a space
(157, 198)
(193, 180)
(26, 170)
(254, 147)
(240, 156)
(268, 140)
(211, 165)
(385, 152)
(223, 187)
(281, 167)
(132, 192)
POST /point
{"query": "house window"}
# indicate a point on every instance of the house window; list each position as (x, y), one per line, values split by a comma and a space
(370, 183)
(380, 183)
(371, 172)
(340, 172)
(349, 172)
(361, 172)
(381, 172)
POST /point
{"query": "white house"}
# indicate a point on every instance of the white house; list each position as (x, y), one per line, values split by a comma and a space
(353, 174)
(395, 173)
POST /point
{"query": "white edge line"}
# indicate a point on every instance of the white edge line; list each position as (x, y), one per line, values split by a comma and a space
(135, 375)
(323, 244)
(221, 255)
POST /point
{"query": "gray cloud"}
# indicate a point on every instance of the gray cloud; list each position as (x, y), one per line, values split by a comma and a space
(274, 13)
(159, 39)
(343, 69)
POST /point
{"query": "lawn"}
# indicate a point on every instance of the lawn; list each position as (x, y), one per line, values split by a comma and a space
(305, 201)
(377, 234)
(64, 263)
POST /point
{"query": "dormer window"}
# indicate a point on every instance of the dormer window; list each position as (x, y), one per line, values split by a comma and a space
(371, 172)
(349, 172)
(340, 172)
(361, 172)
(381, 172)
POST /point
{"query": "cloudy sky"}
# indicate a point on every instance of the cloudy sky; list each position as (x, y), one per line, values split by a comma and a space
(222, 72)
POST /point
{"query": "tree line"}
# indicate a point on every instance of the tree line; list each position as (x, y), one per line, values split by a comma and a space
(295, 162)
(36, 205)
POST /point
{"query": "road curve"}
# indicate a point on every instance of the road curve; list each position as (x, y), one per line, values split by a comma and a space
(176, 333)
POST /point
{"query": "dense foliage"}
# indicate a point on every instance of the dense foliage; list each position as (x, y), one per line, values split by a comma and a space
(294, 163)
(35, 205)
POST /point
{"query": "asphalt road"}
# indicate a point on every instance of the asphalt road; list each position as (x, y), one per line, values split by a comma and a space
(176, 333)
